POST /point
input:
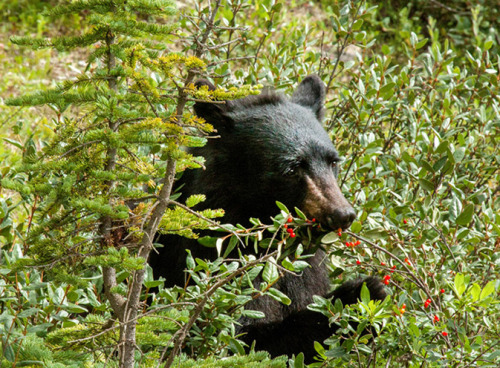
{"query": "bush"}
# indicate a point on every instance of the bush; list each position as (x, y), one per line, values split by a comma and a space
(415, 112)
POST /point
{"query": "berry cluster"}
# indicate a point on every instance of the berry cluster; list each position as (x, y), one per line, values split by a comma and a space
(352, 244)
(288, 229)
(291, 231)
(386, 279)
(402, 310)
(427, 303)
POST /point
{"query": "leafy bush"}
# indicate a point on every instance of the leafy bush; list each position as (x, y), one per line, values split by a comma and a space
(415, 111)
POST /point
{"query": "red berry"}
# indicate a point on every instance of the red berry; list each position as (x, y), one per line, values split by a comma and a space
(292, 235)
(358, 242)
(444, 333)
(403, 306)
(386, 282)
(285, 226)
(382, 263)
(289, 230)
(358, 262)
(442, 291)
(289, 219)
(313, 220)
(436, 319)
(405, 222)
(387, 277)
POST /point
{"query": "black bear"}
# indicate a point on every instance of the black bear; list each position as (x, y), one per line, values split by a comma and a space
(271, 148)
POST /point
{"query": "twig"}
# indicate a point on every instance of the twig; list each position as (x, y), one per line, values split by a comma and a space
(181, 334)
(11, 116)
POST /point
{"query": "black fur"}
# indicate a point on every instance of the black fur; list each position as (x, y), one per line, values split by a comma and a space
(271, 148)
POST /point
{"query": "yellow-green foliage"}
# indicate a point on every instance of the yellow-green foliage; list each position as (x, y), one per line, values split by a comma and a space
(180, 222)
(116, 258)
(77, 335)
(259, 359)
(219, 94)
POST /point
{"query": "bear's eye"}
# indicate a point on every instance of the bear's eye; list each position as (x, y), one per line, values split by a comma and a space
(334, 164)
(295, 167)
(292, 170)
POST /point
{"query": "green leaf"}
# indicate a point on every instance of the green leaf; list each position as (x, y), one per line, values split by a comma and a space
(279, 296)
(459, 283)
(426, 184)
(487, 290)
(319, 348)
(252, 314)
(299, 266)
(455, 208)
(413, 39)
(287, 264)
(459, 154)
(282, 207)
(466, 216)
(475, 291)
(298, 362)
(330, 238)
(365, 294)
(270, 273)
(13, 142)
(233, 241)
(387, 90)
(386, 50)
(236, 347)
(356, 26)
(421, 43)
(356, 227)
(300, 214)
(189, 260)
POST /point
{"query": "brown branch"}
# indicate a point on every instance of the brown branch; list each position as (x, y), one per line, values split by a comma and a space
(182, 333)
(128, 337)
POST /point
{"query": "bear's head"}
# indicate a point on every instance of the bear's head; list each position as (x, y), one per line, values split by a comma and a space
(272, 148)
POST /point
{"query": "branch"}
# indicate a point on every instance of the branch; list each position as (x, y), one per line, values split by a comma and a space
(182, 333)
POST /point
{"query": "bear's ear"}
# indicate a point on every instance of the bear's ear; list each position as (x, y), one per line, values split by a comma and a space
(213, 113)
(311, 93)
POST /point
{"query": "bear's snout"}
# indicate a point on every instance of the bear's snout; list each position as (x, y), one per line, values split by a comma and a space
(341, 218)
(325, 202)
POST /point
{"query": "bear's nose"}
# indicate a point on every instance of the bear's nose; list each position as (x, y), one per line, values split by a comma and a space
(341, 218)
